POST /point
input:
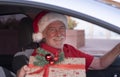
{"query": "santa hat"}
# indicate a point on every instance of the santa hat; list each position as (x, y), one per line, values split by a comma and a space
(42, 20)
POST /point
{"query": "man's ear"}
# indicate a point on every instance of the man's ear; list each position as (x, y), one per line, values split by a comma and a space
(44, 34)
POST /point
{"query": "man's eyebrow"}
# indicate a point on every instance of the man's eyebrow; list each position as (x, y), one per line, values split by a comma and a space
(51, 27)
(62, 26)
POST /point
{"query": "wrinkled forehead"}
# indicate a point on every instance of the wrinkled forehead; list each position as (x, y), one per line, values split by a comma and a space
(56, 24)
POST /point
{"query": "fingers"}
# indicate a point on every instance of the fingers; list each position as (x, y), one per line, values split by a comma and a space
(118, 46)
(26, 68)
(23, 71)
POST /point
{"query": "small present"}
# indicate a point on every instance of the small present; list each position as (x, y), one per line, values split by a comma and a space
(70, 67)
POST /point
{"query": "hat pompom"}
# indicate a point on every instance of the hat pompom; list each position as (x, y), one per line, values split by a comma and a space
(37, 37)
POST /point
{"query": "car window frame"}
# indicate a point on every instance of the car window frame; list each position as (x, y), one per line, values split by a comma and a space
(65, 11)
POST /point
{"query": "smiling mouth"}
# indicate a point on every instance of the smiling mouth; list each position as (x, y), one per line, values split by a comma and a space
(58, 38)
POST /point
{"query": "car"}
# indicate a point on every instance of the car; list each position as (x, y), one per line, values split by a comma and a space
(97, 21)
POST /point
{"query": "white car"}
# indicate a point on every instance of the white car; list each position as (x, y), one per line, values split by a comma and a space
(97, 21)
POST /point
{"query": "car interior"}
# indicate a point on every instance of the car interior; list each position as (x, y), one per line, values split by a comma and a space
(16, 35)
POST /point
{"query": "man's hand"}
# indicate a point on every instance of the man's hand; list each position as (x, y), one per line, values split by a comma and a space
(23, 71)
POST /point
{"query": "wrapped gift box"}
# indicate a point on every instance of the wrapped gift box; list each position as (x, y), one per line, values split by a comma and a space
(70, 67)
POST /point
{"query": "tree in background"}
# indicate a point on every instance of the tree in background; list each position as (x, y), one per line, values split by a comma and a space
(71, 23)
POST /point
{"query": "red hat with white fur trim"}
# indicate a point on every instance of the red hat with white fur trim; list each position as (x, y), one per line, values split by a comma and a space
(42, 20)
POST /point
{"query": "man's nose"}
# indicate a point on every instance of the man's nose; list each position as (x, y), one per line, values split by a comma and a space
(58, 33)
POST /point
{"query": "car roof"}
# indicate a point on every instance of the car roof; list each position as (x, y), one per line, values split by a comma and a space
(89, 10)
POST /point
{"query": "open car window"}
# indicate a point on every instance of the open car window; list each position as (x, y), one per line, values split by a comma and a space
(94, 39)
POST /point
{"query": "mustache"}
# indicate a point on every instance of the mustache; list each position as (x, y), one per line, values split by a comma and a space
(59, 37)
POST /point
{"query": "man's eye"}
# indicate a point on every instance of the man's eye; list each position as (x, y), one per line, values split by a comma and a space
(63, 28)
(51, 29)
